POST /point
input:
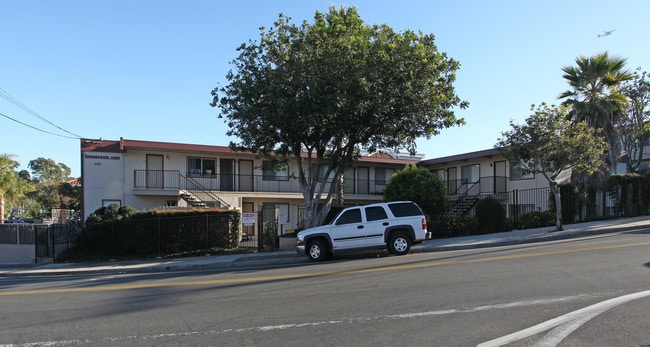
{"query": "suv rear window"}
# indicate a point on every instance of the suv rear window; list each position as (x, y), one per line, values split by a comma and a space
(405, 209)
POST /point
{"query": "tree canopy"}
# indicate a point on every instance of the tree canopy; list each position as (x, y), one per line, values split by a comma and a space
(419, 185)
(322, 92)
(549, 144)
(47, 170)
(634, 124)
(595, 95)
(12, 186)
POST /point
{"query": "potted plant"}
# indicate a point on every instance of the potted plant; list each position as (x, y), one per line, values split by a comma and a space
(268, 235)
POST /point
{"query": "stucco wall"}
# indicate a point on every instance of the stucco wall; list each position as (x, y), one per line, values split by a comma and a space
(17, 254)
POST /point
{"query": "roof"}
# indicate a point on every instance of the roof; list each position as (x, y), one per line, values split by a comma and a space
(123, 145)
(487, 153)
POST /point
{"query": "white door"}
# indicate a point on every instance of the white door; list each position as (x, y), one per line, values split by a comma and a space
(155, 173)
(376, 222)
(348, 231)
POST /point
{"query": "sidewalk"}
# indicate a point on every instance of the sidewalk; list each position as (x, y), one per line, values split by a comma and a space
(291, 257)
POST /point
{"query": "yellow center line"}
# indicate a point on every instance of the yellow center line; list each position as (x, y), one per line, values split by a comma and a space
(316, 274)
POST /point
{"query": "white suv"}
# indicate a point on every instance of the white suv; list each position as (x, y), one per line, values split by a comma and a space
(393, 225)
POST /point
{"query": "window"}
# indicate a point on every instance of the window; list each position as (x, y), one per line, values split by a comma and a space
(405, 209)
(471, 173)
(321, 173)
(516, 172)
(199, 167)
(274, 172)
(375, 213)
(382, 175)
(349, 217)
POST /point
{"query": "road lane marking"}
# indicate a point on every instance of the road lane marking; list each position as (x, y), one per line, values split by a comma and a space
(302, 325)
(316, 274)
(564, 325)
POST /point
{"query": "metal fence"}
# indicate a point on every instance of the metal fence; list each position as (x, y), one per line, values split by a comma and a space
(579, 202)
(166, 236)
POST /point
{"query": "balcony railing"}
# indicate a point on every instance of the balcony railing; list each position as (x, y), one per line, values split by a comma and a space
(485, 185)
(175, 180)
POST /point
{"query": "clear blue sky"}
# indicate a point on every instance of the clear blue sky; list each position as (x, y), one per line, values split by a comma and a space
(144, 69)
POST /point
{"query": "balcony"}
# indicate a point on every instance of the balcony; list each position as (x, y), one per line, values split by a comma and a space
(174, 180)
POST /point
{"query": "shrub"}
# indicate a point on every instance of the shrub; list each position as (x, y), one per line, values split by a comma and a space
(491, 216)
(152, 233)
(535, 219)
(451, 225)
(419, 185)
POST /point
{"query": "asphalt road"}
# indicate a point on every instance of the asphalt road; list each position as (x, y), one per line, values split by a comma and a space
(579, 292)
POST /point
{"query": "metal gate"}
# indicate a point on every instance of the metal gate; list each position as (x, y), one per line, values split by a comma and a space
(268, 213)
(51, 240)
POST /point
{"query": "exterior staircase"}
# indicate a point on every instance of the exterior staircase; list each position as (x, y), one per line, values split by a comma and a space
(197, 196)
(463, 205)
(193, 201)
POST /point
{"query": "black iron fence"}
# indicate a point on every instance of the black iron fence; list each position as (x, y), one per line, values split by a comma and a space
(579, 203)
(164, 236)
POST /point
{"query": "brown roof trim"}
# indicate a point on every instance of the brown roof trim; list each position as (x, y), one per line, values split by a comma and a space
(387, 160)
(487, 153)
(100, 145)
(123, 145)
(126, 144)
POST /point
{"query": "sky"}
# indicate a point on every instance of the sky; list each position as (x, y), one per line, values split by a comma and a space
(144, 69)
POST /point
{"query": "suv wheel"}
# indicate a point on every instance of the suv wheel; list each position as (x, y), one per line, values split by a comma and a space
(399, 243)
(317, 250)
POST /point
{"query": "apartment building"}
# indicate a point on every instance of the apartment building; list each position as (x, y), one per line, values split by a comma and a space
(148, 174)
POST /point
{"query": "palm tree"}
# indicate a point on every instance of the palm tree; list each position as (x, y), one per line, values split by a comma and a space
(11, 185)
(595, 96)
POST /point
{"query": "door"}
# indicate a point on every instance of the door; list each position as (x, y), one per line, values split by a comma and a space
(227, 174)
(375, 225)
(363, 180)
(245, 175)
(348, 231)
(154, 172)
(500, 179)
(452, 181)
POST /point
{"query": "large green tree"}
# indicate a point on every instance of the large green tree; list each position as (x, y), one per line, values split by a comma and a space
(12, 186)
(634, 124)
(322, 92)
(420, 185)
(53, 191)
(549, 144)
(595, 95)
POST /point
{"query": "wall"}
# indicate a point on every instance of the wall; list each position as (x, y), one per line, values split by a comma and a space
(102, 179)
(17, 254)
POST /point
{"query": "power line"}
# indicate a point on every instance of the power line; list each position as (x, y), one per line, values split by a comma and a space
(35, 128)
(17, 102)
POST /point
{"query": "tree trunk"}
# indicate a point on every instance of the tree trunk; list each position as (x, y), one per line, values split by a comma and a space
(340, 186)
(2, 209)
(558, 206)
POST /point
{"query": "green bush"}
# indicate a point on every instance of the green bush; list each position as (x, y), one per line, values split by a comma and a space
(419, 185)
(451, 225)
(153, 233)
(537, 219)
(491, 216)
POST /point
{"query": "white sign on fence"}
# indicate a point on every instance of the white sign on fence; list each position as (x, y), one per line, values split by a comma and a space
(248, 218)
